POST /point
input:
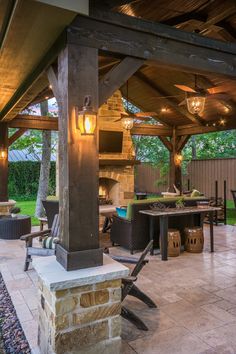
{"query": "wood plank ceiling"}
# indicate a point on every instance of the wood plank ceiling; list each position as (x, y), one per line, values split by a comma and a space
(35, 27)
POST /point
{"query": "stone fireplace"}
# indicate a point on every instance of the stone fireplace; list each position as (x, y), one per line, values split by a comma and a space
(116, 171)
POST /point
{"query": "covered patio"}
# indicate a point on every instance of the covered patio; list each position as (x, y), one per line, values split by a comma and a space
(159, 58)
(195, 294)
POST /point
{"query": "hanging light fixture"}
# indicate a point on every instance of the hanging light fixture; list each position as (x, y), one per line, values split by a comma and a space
(127, 121)
(178, 159)
(86, 119)
(196, 100)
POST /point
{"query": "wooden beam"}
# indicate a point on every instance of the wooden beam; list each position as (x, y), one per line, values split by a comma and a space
(16, 135)
(172, 102)
(175, 172)
(53, 79)
(47, 59)
(109, 4)
(194, 130)
(11, 6)
(34, 122)
(158, 43)
(182, 142)
(150, 130)
(4, 163)
(166, 142)
(117, 76)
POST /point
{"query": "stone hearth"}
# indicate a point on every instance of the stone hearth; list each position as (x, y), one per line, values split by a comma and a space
(117, 176)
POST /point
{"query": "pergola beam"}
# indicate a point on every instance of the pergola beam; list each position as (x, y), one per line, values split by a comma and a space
(150, 130)
(34, 122)
(117, 77)
(182, 142)
(194, 130)
(158, 43)
(16, 135)
(166, 143)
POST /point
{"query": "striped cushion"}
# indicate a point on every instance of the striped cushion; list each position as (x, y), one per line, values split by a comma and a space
(48, 242)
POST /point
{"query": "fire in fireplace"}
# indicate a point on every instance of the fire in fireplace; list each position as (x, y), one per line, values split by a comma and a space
(108, 191)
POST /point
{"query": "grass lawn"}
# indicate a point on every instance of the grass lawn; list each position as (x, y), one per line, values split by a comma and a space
(28, 208)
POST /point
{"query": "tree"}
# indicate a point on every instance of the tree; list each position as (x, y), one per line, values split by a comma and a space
(45, 165)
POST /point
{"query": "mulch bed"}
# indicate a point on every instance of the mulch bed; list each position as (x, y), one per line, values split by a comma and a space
(12, 337)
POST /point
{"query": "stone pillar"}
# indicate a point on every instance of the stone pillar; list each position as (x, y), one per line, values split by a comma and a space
(79, 311)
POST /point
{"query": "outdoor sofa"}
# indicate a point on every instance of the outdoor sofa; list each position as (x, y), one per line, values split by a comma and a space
(132, 232)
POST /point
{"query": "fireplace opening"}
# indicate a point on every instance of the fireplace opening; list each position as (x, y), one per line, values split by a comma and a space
(108, 191)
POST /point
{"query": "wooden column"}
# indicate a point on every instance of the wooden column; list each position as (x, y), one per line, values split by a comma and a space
(4, 163)
(78, 161)
(175, 174)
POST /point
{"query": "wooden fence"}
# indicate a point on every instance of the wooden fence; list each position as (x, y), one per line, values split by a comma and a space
(202, 175)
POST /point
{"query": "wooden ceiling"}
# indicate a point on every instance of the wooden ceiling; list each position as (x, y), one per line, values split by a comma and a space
(35, 27)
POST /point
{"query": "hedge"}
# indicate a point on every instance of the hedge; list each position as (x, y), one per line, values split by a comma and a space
(24, 178)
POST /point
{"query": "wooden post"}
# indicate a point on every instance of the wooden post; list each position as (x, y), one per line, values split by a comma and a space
(78, 161)
(4, 163)
(175, 176)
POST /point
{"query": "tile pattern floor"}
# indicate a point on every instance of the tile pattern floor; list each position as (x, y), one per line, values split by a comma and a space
(195, 294)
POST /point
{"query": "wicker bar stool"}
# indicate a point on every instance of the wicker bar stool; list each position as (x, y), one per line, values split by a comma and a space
(174, 243)
(194, 239)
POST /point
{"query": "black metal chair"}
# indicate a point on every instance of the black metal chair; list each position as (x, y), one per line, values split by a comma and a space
(51, 208)
(40, 251)
(129, 288)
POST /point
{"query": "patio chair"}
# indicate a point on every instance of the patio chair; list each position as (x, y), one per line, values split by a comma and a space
(129, 288)
(40, 251)
(51, 209)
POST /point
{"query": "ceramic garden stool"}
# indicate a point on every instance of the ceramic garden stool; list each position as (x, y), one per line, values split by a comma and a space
(174, 243)
(194, 239)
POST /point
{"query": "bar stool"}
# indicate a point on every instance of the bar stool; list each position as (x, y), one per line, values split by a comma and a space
(174, 243)
(194, 239)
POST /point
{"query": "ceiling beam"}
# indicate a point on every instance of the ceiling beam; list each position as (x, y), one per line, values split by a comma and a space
(151, 130)
(171, 101)
(177, 20)
(117, 76)
(47, 59)
(16, 135)
(109, 4)
(11, 6)
(193, 130)
(34, 122)
(158, 43)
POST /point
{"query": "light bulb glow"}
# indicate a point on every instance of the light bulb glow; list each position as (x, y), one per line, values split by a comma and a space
(127, 123)
(196, 104)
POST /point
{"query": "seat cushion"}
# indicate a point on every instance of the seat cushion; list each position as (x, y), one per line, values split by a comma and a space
(48, 242)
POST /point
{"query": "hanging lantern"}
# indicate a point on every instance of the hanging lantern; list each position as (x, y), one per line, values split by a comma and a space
(3, 153)
(196, 103)
(127, 122)
(86, 119)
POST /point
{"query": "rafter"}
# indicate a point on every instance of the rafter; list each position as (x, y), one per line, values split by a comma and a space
(34, 122)
(117, 76)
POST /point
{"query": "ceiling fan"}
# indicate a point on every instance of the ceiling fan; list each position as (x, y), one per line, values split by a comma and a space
(195, 97)
(127, 118)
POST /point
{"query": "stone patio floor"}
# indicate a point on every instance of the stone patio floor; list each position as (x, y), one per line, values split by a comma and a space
(195, 294)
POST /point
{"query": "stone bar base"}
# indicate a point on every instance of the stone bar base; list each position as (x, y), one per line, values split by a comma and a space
(5, 207)
(79, 311)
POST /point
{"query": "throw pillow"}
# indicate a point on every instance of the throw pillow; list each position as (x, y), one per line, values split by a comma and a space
(195, 193)
(121, 212)
(48, 242)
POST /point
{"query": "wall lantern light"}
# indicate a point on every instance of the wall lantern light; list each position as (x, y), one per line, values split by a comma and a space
(127, 122)
(3, 153)
(86, 119)
(196, 102)
(178, 159)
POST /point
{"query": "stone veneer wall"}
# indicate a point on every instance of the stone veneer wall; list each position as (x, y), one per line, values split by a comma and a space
(80, 320)
(124, 175)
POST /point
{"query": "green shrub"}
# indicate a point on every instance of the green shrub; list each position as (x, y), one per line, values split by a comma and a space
(24, 178)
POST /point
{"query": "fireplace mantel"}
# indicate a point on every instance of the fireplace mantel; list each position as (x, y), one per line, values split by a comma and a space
(118, 162)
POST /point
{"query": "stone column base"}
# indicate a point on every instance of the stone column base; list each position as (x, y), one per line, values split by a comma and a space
(79, 311)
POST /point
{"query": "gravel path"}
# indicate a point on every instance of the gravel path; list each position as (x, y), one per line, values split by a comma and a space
(12, 337)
